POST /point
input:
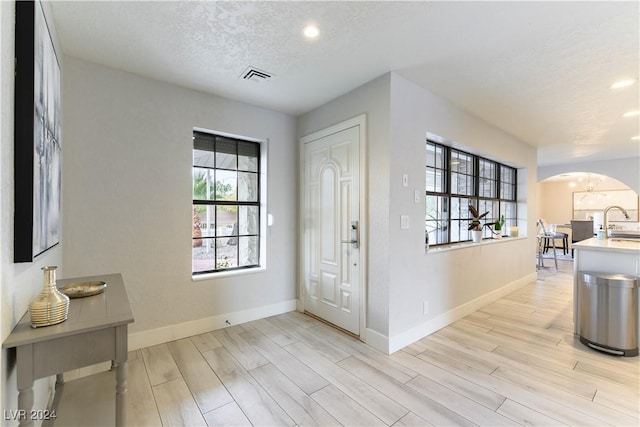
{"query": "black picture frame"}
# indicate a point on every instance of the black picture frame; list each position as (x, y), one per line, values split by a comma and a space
(37, 135)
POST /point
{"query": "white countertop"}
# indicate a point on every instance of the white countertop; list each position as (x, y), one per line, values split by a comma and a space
(609, 245)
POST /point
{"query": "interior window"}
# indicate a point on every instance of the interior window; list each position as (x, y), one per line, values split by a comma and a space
(456, 179)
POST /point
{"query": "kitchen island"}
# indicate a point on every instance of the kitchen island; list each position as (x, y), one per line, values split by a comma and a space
(607, 256)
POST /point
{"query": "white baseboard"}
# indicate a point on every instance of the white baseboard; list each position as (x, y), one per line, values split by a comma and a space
(187, 329)
(397, 342)
(377, 341)
(374, 339)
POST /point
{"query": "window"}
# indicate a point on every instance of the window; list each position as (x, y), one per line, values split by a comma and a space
(454, 180)
(226, 203)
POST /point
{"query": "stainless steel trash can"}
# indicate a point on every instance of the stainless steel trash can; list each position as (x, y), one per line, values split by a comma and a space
(608, 305)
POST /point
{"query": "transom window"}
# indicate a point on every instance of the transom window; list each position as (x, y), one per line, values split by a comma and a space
(226, 203)
(456, 179)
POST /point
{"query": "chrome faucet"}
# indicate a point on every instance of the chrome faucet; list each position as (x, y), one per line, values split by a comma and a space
(606, 222)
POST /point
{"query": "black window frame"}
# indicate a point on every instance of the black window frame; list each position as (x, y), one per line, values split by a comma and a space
(221, 148)
(484, 183)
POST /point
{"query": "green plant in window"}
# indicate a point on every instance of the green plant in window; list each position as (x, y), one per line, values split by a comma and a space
(475, 223)
(224, 263)
(200, 189)
(199, 186)
(223, 191)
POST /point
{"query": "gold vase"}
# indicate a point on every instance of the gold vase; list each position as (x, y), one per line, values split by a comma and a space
(51, 306)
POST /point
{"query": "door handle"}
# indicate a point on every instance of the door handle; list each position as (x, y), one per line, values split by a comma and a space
(354, 234)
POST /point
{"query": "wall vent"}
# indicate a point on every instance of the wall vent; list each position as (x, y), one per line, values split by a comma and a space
(256, 75)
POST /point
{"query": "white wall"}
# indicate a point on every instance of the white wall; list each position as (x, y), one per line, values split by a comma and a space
(447, 280)
(19, 283)
(372, 99)
(127, 197)
(401, 276)
(624, 170)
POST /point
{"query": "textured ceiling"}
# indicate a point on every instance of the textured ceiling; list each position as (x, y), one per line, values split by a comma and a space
(538, 70)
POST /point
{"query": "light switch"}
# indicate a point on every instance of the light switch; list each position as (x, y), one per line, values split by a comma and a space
(404, 222)
(405, 180)
(269, 220)
(416, 196)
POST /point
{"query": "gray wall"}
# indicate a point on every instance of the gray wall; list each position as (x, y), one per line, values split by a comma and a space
(401, 276)
(372, 99)
(127, 193)
(447, 279)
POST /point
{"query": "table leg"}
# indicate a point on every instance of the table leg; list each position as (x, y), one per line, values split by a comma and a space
(25, 404)
(121, 393)
(540, 253)
(24, 366)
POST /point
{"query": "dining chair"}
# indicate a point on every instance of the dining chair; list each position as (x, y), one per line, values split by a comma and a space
(580, 230)
(542, 238)
(550, 240)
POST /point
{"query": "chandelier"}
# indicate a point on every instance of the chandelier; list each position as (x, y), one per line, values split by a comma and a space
(590, 188)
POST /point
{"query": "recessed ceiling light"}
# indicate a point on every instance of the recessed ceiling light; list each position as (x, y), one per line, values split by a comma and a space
(631, 113)
(636, 138)
(311, 31)
(622, 83)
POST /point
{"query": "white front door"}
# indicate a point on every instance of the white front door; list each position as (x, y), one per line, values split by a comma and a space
(331, 227)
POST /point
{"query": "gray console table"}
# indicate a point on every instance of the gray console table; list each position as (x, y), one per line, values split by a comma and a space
(95, 332)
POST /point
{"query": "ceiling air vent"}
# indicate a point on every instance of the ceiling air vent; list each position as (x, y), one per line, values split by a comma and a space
(256, 75)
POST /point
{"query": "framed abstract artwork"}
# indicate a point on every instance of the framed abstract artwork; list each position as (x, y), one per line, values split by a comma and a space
(37, 127)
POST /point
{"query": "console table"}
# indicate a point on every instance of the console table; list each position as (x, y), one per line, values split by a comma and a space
(94, 332)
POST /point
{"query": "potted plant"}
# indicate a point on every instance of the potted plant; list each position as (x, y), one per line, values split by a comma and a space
(475, 226)
(498, 226)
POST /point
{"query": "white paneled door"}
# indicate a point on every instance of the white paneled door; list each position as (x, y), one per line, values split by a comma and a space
(331, 227)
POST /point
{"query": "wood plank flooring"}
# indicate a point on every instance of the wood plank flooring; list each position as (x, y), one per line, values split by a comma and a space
(514, 362)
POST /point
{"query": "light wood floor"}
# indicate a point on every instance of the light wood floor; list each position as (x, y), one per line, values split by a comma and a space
(515, 362)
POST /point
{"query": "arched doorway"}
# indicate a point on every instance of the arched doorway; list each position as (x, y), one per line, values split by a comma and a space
(582, 196)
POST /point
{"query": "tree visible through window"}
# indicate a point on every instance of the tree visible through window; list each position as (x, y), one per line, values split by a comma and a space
(226, 203)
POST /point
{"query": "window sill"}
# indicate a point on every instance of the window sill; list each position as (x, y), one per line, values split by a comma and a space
(222, 274)
(465, 245)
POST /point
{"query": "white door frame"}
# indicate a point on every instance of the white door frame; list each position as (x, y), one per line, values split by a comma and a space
(361, 122)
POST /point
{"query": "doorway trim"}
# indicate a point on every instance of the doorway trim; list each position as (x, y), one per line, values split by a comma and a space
(361, 122)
